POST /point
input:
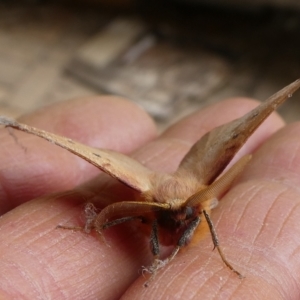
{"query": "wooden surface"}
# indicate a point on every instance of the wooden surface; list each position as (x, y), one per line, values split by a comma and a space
(170, 63)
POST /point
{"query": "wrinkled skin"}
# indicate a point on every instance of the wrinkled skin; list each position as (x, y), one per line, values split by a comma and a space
(257, 220)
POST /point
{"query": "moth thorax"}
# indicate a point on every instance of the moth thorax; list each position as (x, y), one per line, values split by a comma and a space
(173, 191)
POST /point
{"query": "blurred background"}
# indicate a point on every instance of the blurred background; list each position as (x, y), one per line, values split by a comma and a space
(171, 57)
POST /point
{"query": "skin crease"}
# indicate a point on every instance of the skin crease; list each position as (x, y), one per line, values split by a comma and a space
(256, 220)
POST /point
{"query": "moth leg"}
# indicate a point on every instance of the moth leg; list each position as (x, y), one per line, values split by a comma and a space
(217, 244)
(74, 228)
(185, 238)
(90, 212)
(183, 241)
(154, 246)
(120, 221)
(154, 243)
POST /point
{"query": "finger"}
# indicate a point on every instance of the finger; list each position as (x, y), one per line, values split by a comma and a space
(257, 225)
(98, 121)
(265, 206)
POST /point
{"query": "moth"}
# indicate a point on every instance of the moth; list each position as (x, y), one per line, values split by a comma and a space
(172, 206)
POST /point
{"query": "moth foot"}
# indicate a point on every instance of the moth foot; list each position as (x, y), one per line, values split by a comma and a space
(74, 228)
(91, 213)
(156, 265)
(103, 239)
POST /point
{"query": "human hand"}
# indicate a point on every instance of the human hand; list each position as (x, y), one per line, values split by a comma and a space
(256, 220)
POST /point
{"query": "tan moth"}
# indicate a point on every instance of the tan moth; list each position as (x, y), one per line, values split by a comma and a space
(173, 205)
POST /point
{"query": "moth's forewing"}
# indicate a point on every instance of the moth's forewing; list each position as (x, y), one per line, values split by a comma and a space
(117, 165)
(212, 153)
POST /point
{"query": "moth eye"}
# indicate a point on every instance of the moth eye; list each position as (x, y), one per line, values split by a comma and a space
(189, 212)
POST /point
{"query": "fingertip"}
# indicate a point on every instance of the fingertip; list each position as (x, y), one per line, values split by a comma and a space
(192, 127)
(100, 121)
